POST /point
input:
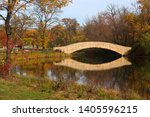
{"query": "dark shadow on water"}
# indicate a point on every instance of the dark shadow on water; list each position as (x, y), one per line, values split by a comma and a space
(95, 56)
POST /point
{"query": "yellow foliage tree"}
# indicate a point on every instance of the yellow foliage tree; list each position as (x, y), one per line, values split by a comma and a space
(12, 7)
(45, 12)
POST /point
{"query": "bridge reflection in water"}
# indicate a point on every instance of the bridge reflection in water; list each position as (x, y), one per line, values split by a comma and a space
(118, 75)
(94, 67)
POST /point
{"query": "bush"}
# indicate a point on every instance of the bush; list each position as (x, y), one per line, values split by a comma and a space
(141, 47)
(145, 43)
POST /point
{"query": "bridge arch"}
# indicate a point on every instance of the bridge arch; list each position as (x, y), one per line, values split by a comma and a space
(123, 50)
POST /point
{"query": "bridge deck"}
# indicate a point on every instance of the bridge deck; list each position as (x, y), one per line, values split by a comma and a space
(84, 45)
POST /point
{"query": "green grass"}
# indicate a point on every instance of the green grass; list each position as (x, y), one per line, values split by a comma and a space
(37, 89)
(12, 90)
(22, 88)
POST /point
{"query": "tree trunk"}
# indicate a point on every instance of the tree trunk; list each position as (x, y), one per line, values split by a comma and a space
(8, 50)
(43, 43)
(8, 34)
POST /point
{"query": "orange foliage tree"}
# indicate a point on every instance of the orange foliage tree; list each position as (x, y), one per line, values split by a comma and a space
(10, 8)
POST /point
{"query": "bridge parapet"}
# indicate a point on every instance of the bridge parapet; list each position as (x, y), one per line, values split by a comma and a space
(123, 50)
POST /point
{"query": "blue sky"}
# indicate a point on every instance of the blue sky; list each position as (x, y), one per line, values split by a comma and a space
(83, 9)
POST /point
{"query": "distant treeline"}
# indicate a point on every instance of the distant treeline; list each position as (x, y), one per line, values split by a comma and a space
(121, 25)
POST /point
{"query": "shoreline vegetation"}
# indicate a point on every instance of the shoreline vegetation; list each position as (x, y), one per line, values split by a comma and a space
(34, 55)
(22, 88)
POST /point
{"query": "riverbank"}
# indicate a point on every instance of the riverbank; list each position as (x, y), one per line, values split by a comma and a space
(38, 56)
(22, 88)
(32, 56)
(41, 87)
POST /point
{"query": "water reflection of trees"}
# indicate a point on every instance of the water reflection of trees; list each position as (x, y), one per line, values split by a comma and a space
(115, 78)
(126, 80)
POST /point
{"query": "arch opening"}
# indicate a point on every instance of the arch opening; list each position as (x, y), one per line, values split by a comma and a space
(95, 55)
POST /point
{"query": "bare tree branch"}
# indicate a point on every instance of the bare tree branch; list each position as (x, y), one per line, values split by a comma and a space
(3, 18)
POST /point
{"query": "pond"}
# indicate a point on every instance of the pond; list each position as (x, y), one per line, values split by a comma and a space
(118, 74)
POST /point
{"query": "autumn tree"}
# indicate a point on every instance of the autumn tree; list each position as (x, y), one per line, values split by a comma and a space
(144, 6)
(20, 23)
(30, 39)
(9, 8)
(125, 31)
(122, 26)
(96, 29)
(114, 25)
(74, 30)
(71, 25)
(46, 16)
(3, 37)
(59, 36)
(144, 25)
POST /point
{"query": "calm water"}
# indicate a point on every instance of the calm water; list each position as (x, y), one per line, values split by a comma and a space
(118, 74)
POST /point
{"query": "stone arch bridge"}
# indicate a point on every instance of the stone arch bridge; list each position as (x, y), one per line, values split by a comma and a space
(122, 50)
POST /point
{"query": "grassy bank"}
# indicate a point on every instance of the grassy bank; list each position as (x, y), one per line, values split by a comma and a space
(34, 56)
(37, 56)
(23, 88)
